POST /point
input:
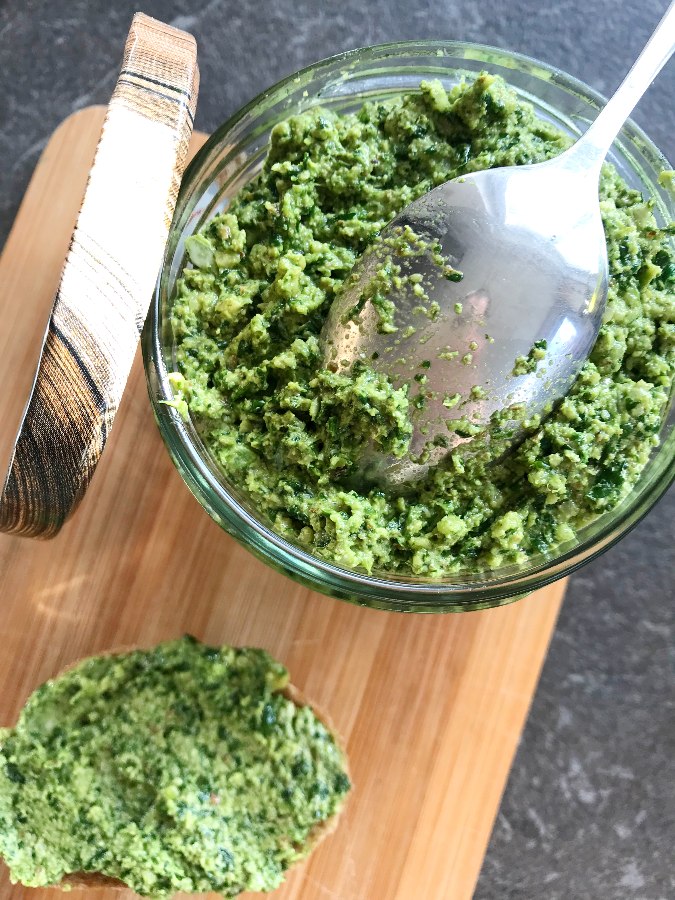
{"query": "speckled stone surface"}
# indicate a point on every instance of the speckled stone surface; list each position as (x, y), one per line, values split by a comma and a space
(589, 811)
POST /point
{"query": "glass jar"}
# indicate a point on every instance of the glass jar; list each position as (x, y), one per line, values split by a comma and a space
(232, 157)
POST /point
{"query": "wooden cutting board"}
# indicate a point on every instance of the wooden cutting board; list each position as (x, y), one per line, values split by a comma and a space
(431, 707)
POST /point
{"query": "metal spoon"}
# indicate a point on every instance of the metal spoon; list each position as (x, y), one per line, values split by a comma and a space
(530, 245)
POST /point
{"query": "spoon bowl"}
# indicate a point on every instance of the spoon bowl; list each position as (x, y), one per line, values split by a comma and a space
(509, 336)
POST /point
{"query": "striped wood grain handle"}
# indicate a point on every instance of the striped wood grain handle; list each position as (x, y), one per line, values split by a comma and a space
(107, 280)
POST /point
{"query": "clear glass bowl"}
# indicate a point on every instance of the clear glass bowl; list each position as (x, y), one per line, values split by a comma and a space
(234, 155)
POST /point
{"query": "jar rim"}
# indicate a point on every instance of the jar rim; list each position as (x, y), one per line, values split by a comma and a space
(490, 587)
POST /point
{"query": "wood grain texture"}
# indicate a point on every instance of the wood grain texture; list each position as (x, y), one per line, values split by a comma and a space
(430, 707)
(110, 269)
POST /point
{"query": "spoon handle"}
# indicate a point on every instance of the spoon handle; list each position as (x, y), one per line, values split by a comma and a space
(591, 149)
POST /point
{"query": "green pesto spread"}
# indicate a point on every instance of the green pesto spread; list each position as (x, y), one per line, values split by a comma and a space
(248, 312)
(181, 768)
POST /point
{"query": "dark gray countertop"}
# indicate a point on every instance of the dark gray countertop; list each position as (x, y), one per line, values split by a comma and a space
(590, 806)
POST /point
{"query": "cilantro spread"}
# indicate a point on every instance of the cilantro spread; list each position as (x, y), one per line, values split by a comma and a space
(182, 768)
(248, 312)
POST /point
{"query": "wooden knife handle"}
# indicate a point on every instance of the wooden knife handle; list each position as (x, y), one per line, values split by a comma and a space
(107, 281)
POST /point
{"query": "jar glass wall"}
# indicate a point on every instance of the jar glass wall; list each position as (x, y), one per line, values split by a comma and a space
(232, 157)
